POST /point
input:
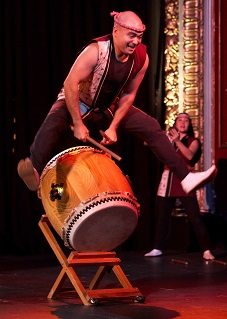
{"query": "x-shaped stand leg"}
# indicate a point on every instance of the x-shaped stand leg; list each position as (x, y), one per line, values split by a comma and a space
(106, 261)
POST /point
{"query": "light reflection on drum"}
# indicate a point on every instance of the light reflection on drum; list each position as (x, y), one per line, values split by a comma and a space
(88, 200)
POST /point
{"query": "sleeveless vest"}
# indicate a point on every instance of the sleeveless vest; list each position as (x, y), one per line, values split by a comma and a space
(91, 88)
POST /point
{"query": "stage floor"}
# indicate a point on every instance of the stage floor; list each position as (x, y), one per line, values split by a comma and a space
(196, 290)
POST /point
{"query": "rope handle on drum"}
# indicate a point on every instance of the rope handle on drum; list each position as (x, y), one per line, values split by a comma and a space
(102, 147)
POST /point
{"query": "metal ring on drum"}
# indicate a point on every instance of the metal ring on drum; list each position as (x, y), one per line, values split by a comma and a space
(88, 200)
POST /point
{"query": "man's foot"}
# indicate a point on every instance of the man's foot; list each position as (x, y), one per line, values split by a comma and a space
(28, 173)
(154, 253)
(195, 181)
(207, 255)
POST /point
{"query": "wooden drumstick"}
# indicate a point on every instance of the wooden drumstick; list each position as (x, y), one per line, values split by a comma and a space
(89, 139)
(179, 261)
(92, 141)
(219, 262)
(104, 134)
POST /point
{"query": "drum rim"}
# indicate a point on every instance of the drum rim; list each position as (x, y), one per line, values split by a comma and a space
(70, 151)
(54, 159)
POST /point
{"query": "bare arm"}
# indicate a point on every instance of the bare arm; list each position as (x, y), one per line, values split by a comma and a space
(188, 152)
(124, 104)
(80, 70)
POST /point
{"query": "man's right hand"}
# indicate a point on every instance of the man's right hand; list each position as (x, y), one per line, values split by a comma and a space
(80, 132)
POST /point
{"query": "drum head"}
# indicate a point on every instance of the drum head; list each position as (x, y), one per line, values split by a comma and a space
(101, 224)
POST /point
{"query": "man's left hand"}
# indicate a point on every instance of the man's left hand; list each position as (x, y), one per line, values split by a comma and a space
(109, 137)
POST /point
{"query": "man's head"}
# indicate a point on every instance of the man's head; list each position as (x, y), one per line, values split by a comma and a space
(128, 20)
(127, 31)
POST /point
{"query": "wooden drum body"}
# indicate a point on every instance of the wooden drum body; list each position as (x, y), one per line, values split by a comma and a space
(88, 200)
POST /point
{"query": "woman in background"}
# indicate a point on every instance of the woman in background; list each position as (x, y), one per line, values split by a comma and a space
(189, 148)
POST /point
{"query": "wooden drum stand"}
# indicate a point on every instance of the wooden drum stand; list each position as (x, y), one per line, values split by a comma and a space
(119, 206)
(105, 261)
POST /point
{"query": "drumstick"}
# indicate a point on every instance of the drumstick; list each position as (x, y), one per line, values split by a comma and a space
(104, 134)
(178, 261)
(219, 262)
(89, 139)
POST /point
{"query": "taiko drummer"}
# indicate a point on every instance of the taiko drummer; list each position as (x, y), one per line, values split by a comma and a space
(99, 91)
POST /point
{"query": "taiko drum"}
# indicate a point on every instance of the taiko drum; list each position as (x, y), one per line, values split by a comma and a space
(88, 200)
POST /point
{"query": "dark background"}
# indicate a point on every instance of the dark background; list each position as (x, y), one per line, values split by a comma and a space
(39, 40)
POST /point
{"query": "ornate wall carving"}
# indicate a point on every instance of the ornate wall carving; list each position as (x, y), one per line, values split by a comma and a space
(184, 67)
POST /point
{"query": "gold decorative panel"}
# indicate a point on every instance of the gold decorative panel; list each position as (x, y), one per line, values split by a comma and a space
(184, 67)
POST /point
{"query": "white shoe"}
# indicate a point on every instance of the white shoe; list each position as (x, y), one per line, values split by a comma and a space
(194, 181)
(207, 255)
(154, 253)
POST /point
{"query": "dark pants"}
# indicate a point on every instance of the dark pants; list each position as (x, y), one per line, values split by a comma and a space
(56, 128)
(164, 206)
(55, 134)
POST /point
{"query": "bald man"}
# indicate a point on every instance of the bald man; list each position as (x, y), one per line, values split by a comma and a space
(99, 92)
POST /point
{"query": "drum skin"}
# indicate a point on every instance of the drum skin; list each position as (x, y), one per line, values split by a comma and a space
(86, 176)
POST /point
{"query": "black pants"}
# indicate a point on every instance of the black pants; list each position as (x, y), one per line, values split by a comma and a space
(164, 206)
(56, 128)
